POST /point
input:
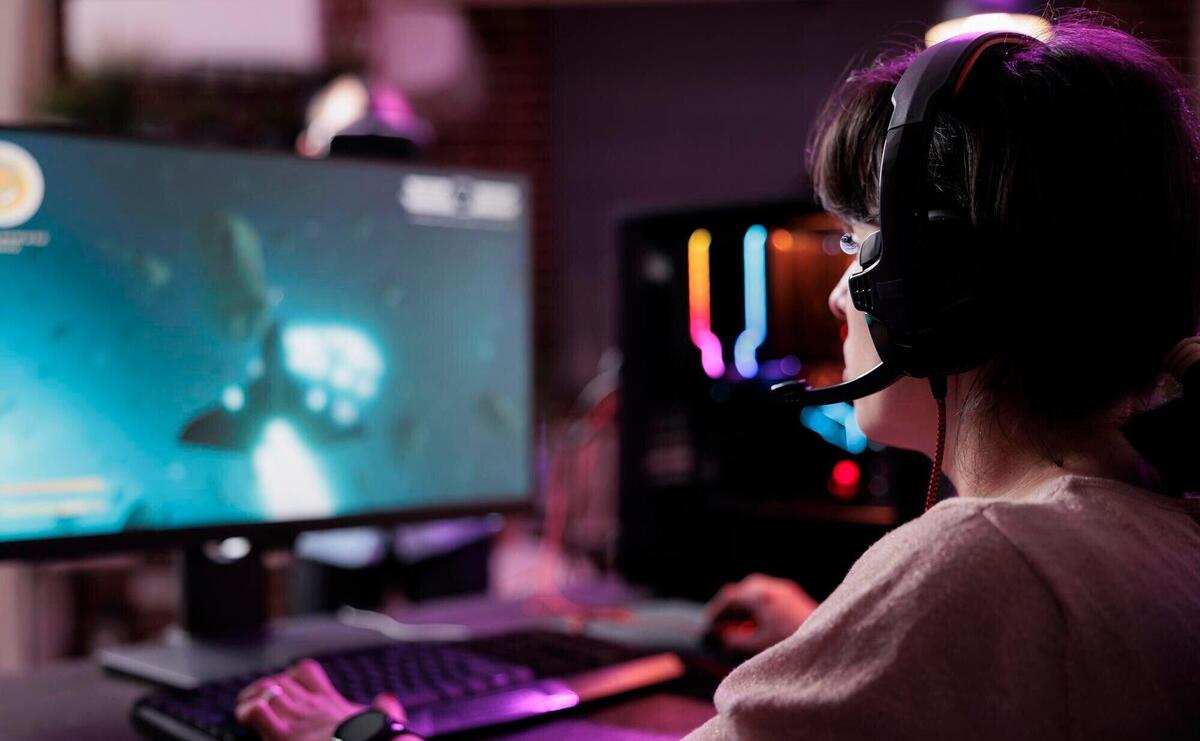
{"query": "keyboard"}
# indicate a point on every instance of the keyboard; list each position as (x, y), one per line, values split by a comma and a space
(446, 688)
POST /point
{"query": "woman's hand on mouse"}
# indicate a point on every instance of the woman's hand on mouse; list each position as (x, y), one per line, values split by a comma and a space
(301, 704)
(771, 610)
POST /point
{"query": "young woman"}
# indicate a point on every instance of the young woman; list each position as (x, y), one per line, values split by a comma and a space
(1058, 595)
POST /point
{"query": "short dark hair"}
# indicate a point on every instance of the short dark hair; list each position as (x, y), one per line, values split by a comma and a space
(1078, 163)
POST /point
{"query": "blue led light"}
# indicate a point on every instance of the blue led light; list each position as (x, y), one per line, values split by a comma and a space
(856, 439)
(754, 258)
(837, 425)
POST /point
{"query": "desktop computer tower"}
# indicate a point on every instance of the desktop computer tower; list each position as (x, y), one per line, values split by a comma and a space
(718, 478)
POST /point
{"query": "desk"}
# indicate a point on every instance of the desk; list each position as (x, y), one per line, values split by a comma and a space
(76, 701)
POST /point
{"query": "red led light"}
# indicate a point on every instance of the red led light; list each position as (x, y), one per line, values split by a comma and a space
(843, 483)
(846, 473)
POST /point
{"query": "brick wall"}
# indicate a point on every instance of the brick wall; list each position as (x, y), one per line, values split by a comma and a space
(511, 132)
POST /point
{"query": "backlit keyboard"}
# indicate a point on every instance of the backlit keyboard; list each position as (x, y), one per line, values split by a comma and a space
(445, 687)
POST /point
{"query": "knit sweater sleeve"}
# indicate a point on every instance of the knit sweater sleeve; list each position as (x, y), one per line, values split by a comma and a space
(941, 630)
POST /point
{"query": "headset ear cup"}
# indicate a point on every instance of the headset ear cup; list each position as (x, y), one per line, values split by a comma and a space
(956, 322)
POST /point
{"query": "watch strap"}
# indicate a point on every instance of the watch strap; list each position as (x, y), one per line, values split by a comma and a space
(372, 725)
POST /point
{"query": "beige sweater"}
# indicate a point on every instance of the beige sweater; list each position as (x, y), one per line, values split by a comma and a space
(1071, 613)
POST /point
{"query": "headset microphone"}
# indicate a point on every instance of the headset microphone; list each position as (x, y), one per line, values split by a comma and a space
(874, 380)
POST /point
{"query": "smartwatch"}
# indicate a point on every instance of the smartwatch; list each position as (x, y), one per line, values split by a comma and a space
(372, 725)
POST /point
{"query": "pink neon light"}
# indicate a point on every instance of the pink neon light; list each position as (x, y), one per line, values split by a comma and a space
(700, 305)
(710, 349)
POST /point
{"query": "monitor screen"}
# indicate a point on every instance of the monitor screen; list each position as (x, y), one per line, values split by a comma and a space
(195, 339)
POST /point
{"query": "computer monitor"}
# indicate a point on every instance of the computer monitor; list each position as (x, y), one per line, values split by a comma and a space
(200, 343)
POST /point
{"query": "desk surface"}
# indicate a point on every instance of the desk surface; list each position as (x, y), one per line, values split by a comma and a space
(75, 700)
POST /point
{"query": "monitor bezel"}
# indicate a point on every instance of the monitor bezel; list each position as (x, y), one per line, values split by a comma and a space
(278, 534)
(281, 533)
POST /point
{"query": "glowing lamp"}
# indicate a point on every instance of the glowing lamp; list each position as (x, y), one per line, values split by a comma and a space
(340, 104)
(1030, 25)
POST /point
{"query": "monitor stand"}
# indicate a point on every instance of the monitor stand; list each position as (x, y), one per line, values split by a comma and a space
(224, 629)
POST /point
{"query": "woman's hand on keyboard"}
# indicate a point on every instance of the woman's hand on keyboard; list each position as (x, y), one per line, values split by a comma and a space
(301, 704)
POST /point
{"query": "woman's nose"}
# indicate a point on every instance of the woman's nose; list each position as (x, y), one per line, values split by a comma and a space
(839, 298)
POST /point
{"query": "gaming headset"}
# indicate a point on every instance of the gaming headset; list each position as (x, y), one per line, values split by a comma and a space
(916, 284)
(919, 300)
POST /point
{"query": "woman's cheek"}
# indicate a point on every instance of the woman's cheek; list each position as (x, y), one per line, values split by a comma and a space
(859, 349)
(876, 414)
(866, 414)
(902, 415)
(861, 356)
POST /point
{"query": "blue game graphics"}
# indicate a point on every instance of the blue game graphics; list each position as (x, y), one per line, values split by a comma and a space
(193, 338)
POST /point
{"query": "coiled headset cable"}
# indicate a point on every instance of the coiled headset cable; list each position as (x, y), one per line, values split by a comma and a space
(938, 385)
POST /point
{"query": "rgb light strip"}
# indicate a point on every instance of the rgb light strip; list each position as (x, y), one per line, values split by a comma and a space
(700, 305)
(837, 424)
(754, 256)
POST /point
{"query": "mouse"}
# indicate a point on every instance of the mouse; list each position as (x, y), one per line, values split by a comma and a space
(732, 619)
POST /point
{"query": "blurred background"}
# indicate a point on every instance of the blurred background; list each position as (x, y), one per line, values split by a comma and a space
(610, 109)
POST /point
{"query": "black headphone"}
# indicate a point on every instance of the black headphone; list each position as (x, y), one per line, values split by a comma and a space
(916, 284)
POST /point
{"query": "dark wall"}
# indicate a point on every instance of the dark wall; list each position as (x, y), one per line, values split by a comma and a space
(681, 104)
